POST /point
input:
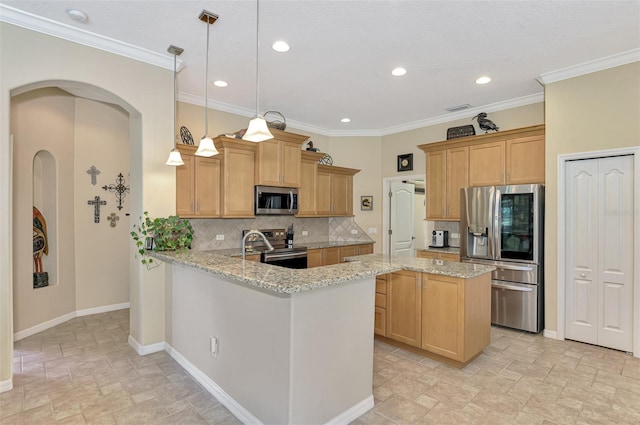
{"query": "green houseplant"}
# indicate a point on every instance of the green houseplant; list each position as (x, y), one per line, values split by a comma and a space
(161, 234)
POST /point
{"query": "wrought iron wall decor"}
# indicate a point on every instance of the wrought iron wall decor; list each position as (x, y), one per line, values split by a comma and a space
(461, 131)
(119, 189)
(185, 135)
(96, 208)
(112, 219)
(93, 171)
(326, 160)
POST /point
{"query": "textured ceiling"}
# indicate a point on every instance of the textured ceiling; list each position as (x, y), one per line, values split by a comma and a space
(342, 52)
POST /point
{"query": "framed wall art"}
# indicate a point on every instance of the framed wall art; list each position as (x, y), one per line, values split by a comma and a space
(405, 162)
(366, 203)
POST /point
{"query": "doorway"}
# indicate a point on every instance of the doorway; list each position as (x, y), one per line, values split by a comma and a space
(598, 284)
(403, 222)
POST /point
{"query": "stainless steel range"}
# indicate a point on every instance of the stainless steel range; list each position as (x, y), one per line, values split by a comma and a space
(283, 254)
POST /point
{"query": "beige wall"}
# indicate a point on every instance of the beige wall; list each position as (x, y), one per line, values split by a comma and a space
(145, 91)
(593, 112)
(102, 252)
(43, 120)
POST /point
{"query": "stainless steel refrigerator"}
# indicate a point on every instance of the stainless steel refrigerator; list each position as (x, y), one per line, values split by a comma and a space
(503, 226)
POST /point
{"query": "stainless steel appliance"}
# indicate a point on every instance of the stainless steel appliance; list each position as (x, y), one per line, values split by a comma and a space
(283, 255)
(439, 239)
(271, 200)
(503, 226)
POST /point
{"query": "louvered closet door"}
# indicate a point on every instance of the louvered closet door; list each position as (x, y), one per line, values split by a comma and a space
(599, 251)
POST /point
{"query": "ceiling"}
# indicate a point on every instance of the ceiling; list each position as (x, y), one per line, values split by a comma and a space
(342, 52)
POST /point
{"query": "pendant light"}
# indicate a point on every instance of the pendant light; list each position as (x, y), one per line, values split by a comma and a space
(257, 130)
(175, 158)
(206, 146)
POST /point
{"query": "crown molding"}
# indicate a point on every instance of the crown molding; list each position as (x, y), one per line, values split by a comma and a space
(596, 65)
(67, 32)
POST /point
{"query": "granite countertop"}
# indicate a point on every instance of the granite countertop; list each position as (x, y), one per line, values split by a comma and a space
(287, 281)
(447, 250)
(237, 252)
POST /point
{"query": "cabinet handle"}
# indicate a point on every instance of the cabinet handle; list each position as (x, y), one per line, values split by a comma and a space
(417, 284)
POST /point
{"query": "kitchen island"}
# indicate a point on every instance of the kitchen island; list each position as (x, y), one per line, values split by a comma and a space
(290, 346)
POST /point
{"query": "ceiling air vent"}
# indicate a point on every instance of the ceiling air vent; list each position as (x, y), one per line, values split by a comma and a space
(458, 107)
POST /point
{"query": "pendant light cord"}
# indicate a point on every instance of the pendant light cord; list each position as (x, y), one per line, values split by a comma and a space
(257, 57)
(175, 108)
(206, 88)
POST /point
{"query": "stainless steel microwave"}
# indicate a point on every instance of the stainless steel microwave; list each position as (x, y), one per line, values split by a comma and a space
(271, 200)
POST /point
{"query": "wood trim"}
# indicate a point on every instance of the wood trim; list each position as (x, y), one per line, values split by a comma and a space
(337, 170)
(534, 130)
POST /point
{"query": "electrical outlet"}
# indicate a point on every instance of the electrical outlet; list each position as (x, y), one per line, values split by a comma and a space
(455, 235)
(219, 237)
(305, 233)
(354, 232)
(213, 346)
(373, 230)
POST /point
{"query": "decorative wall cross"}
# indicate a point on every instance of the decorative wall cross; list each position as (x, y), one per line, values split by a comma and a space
(119, 189)
(96, 208)
(94, 172)
(113, 218)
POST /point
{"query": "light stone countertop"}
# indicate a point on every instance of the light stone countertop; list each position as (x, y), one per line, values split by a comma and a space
(237, 252)
(287, 281)
(447, 250)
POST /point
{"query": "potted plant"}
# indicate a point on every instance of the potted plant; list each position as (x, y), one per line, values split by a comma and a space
(161, 234)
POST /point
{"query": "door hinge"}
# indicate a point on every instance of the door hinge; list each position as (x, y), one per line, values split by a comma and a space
(390, 231)
(390, 194)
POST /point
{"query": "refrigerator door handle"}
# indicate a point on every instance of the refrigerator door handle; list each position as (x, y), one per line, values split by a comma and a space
(497, 244)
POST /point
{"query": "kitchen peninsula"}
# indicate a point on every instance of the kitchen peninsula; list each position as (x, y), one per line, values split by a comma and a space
(278, 345)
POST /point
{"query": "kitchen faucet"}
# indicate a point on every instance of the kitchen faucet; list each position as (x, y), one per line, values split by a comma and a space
(255, 232)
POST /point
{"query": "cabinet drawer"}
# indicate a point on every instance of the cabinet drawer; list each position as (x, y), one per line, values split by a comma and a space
(381, 286)
(381, 300)
(380, 322)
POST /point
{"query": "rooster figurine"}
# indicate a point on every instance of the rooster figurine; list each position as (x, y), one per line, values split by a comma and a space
(485, 123)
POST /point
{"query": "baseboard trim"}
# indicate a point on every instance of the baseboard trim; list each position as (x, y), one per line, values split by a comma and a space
(353, 413)
(242, 414)
(65, 318)
(6, 385)
(143, 350)
(550, 334)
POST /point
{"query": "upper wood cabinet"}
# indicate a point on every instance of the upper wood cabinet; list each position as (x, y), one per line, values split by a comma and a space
(278, 160)
(197, 185)
(486, 164)
(238, 164)
(446, 175)
(525, 160)
(307, 189)
(334, 190)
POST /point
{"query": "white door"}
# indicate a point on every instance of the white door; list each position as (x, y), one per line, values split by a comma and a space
(599, 251)
(401, 219)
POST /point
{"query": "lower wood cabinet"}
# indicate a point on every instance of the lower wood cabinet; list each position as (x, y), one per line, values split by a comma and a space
(328, 256)
(445, 256)
(403, 307)
(380, 315)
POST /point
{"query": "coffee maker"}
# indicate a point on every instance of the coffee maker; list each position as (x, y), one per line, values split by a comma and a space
(440, 239)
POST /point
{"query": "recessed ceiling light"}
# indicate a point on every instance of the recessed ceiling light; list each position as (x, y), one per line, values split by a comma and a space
(345, 120)
(398, 72)
(483, 80)
(77, 15)
(280, 46)
(220, 83)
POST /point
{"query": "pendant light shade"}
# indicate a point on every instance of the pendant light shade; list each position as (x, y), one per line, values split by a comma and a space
(258, 130)
(206, 146)
(175, 159)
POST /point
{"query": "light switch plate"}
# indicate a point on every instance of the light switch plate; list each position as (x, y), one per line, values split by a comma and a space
(354, 232)
(305, 233)
(373, 230)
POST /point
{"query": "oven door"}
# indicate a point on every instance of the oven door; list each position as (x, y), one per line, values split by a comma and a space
(291, 260)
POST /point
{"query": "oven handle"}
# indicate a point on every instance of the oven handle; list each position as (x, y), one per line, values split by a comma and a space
(285, 256)
(510, 287)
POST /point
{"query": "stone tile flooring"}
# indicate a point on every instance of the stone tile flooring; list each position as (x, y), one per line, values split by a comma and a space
(84, 372)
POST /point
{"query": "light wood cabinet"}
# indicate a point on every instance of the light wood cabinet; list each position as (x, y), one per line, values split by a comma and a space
(354, 250)
(334, 191)
(327, 256)
(445, 256)
(486, 164)
(315, 258)
(238, 164)
(446, 175)
(332, 256)
(380, 314)
(308, 185)
(197, 185)
(278, 160)
(525, 162)
(404, 311)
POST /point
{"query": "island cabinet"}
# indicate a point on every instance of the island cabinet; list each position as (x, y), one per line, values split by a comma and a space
(380, 314)
(446, 175)
(278, 160)
(334, 191)
(197, 185)
(307, 189)
(444, 317)
(237, 158)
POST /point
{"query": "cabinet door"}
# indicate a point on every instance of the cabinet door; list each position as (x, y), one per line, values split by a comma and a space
(486, 164)
(404, 307)
(428, 255)
(365, 249)
(340, 194)
(348, 251)
(443, 315)
(238, 183)
(315, 258)
(380, 321)
(185, 187)
(323, 193)
(331, 256)
(525, 160)
(457, 178)
(446, 256)
(291, 158)
(268, 163)
(307, 190)
(436, 185)
(207, 182)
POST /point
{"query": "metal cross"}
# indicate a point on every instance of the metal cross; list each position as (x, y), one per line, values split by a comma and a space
(119, 188)
(94, 172)
(113, 218)
(96, 208)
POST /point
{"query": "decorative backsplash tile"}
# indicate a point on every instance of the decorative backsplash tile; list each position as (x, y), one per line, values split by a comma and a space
(453, 227)
(318, 230)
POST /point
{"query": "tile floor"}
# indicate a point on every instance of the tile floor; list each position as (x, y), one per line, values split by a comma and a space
(84, 372)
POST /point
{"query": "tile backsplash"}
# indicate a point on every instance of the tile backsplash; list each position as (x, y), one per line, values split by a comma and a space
(318, 229)
(453, 227)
